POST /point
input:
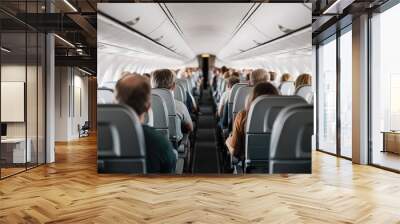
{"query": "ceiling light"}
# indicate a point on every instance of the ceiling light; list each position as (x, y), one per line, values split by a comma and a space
(133, 22)
(70, 5)
(64, 40)
(5, 50)
(205, 55)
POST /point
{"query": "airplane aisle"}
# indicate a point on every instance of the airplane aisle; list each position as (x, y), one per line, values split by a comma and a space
(205, 152)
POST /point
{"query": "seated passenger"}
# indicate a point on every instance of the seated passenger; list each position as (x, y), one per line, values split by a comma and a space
(225, 96)
(135, 92)
(165, 78)
(302, 80)
(236, 141)
(272, 77)
(285, 78)
(258, 76)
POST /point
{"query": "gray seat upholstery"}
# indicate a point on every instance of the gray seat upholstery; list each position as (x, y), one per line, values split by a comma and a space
(287, 88)
(306, 92)
(290, 148)
(148, 118)
(239, 102)
(232, 98)
(174, 125)
(160, 115)
(179, 92)
(105, 95)
(262, 114)
(120, 140)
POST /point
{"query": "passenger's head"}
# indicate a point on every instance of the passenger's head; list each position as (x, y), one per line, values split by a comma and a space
(224, 69)
(163, 78)
(147, 75)
(236, 74)
(261, 89)
(226, 75)
(286, 77)
(232, 81)
(302, 80)
(257, 76)
(134, 91)
(272, 76)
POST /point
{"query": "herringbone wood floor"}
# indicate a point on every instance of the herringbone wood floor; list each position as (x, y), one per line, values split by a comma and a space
(70, 191)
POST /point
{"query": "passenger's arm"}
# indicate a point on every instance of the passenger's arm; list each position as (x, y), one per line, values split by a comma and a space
(187, 123)
(234, 142)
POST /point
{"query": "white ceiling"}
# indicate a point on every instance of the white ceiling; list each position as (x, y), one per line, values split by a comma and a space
(209, 27)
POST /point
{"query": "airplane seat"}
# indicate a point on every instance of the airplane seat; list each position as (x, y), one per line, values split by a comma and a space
(231, 99)
(105, 95)
(290, 148)
(121, 143)
(287, 88)
(174, 125)
(239, 102)
(306, 92)
(179, 92)
(262, 114)
(160, 115)
(149, 118)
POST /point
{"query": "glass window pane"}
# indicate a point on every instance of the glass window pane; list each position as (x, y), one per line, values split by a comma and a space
(13, 86)
(385, 84)
(346, 94)
(327, 96)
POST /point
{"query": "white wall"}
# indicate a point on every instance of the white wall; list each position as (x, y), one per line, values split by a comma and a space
(71, 102)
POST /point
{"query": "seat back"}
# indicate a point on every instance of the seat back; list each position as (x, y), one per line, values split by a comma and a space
(239, 102)
(149, 118)
(105, 95)
(120, 140)
(232, 96)
(160, 115)
(287, 88)
(180, 92)
(262, 114)
(173, 120)
(290, 148)
(306, 92)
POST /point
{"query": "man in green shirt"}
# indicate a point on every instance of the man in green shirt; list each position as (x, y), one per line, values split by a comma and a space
(135, 91)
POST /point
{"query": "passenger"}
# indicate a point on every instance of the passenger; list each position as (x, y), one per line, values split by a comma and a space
(258, 76)
(165, 78)
(225, 96)
(303, 80)
(135, 92)
(236, 74)
(236, 141)
(285, 78)
(272, 77)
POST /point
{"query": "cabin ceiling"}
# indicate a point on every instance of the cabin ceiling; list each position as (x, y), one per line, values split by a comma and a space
(222, 29)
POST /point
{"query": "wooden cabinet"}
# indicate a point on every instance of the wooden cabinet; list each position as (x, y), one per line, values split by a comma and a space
(391, 142)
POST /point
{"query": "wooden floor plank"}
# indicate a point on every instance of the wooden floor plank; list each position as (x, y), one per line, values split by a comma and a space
(71, 191)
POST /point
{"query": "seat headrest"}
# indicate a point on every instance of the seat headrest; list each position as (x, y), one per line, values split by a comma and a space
(234, 91)
(168, 98)
(264, 110)
(160, 113)
(239, 102)
(120, 132)
(180, 92)
(292, 132)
